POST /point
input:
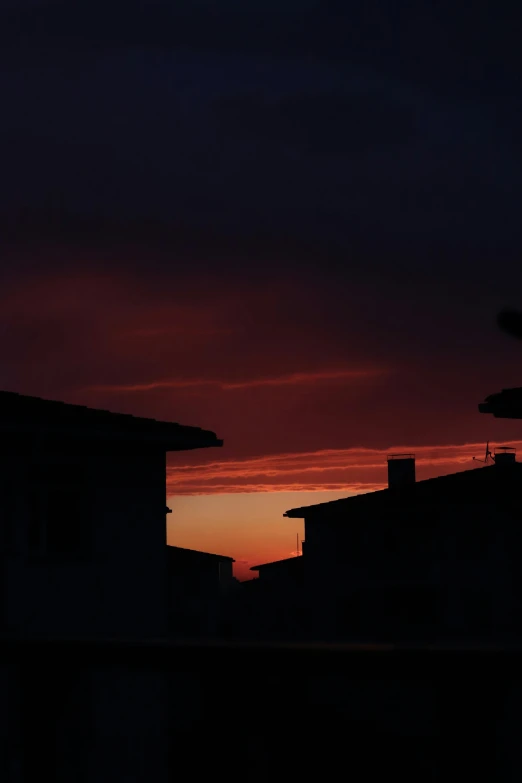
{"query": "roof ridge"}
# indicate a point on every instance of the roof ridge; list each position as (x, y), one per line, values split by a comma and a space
(200, 552)
(399, 491)
(275, 562)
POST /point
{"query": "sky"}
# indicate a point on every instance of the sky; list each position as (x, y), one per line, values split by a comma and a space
(292, 225)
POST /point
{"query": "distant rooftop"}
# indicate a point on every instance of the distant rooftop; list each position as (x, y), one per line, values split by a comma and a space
(485, 482)
(180, 552)
(275, 563)
(24, 414)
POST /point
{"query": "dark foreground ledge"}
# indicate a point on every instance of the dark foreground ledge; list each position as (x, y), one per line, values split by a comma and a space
(439, 713)
(353, 660)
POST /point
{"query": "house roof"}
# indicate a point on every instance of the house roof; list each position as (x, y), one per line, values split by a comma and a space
(484, 483)
(506, 404)
(288, 561)
(195, 554)
(20, 413)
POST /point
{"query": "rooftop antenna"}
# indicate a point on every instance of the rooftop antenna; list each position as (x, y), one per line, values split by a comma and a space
(486, 456)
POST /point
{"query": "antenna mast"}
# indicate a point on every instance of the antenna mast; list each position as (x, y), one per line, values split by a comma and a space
(486, 456)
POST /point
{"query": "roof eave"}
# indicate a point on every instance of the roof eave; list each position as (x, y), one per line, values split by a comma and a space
(184, 442)
(195, 553)
(309, 512)
(506, 404)
(501, 411)
(195, 444)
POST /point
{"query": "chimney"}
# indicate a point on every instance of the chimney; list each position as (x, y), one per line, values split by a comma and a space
(505, 455)
(401, 470)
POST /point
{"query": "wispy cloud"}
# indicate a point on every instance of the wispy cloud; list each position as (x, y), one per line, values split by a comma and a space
(179, 330)
(290, 379)
(352, 470)
(298, 378)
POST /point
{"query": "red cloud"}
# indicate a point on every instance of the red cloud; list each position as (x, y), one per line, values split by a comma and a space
(296, 388)
(352, 470)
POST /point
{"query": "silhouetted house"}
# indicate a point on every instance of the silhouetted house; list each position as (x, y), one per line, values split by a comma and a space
(269, 607)
(83, 517)
(199, 583)
(418, 560)
(281, 574)
(83, 554)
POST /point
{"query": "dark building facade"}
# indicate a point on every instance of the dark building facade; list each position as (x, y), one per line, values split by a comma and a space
(199, 587)
(82, 515)
(282, 574)
(428, 560)
(83, 556)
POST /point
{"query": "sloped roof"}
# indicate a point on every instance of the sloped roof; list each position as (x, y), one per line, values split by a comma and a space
(178, 551)
(21, 413)
(288, 561)
(506, 404)
(478, 484)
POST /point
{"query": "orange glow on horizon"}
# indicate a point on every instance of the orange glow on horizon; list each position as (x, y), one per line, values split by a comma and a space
(309, 401)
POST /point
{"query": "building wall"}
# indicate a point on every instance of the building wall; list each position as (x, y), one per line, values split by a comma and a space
(226, 575)
(130, 738)
(10, 752)
(274, 577)
(193, 577)
(117, 586)
(131, 569)
(478, 567)
(286, 576)
(197, 591)
(83, 724)
(447, 570)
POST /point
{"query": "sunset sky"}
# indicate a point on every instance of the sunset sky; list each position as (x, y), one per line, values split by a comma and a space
(293, 226)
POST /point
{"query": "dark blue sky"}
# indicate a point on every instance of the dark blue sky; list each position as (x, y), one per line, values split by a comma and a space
(343, 179)
(352, 123)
